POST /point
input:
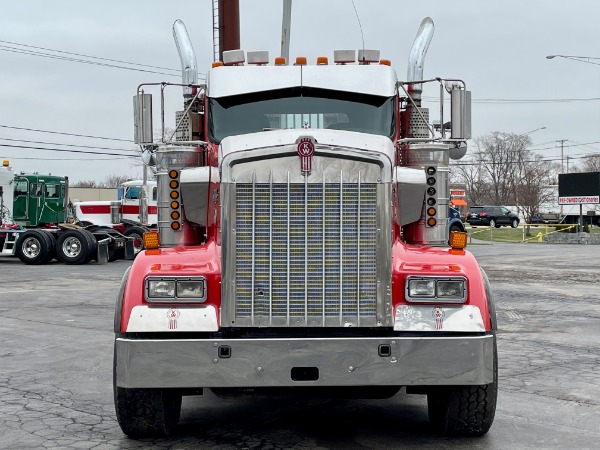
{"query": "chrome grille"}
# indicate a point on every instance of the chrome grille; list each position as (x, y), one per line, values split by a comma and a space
(306, 254)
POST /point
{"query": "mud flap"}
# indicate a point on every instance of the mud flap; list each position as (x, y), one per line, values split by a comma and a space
(129, 248)
(102, 255)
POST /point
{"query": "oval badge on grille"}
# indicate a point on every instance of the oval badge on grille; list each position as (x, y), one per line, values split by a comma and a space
(306, 150)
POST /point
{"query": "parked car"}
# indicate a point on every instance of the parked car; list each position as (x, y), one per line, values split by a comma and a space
(493, 216)
(546, 218)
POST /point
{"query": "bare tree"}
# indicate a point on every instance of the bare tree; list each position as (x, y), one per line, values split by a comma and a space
(85, 184)
(536, 174)
(113, 181)
(591, 163)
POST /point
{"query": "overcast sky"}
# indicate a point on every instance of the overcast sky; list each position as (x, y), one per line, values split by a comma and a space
(498, 48)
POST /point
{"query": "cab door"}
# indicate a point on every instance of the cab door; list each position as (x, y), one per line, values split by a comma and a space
(21, 199)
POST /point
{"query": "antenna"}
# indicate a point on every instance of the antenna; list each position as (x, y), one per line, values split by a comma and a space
(360, 26)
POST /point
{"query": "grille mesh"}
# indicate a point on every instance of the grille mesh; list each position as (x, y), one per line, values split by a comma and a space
(306, 251)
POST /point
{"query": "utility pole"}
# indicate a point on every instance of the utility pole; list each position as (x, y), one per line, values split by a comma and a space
(562, 164)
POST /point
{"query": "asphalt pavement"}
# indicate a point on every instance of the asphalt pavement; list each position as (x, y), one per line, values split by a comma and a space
(56, 344)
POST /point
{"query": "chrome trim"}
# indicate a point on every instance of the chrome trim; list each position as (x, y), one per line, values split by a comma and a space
(268, 166)
(414, 361)
(154, 318)
(174, 299)
(435, 298)
(464, 318)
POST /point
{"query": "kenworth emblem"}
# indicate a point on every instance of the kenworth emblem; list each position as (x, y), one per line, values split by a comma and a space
(173, 314)
(306, 150)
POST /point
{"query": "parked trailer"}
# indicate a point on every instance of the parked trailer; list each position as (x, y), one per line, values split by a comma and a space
(33, 224)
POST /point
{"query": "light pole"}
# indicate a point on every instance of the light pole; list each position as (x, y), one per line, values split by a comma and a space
(532, 131)
(583, 59)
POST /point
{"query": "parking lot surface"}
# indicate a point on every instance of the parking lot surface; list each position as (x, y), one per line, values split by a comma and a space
(56, 345)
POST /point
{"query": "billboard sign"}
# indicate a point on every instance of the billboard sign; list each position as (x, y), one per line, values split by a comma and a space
(579, 188)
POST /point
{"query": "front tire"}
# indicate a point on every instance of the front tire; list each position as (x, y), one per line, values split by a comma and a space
(137, 233)
(464, 410)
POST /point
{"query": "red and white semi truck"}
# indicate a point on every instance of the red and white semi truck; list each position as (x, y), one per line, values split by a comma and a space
(303, 225)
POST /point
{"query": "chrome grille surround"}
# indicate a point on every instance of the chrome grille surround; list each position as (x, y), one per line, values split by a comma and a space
(325, 262)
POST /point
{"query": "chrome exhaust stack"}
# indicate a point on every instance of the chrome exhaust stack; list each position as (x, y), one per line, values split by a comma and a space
(189, 67)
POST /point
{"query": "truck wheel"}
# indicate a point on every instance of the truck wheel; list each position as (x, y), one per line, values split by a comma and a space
(514, 223)
(34, 247)
(93, 250)
(74, 247)
(136, 233)
(464, 410)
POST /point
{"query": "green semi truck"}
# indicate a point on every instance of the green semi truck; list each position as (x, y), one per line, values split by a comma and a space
(35, 225)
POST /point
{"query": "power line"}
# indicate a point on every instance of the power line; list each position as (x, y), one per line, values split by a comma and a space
(64, 58)
(66, 150)
(49, 55)
(89, 56)
(66, 134)
(68, 145)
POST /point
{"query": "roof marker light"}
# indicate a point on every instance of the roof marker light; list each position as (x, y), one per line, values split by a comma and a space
(300, 60)
(259, 58)
(385, 62)
(344, 56)
(233, 57)
(368, 56)
(280, 61)
(217, 64)
(322, 61)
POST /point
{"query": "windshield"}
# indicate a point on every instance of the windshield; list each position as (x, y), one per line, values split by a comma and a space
(300, 108)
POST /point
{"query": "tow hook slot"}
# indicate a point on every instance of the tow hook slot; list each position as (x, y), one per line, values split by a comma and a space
(305, 373)
(385, 350)
(224, 351)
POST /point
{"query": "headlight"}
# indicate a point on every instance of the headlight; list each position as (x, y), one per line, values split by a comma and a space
(433, 289)
(161, 288)
(175, 289)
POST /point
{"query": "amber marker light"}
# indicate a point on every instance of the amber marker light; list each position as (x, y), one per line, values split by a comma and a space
(280, 61)
(431, 222)
(151, 240)
(301, 60)
(431, 211)
(385, 62)
(174, 184)
(174, 204)
(174, 195)
(217, 64)
(175, 215)
(173, 174)
(175, 226)
(322, 61)
(458, 240)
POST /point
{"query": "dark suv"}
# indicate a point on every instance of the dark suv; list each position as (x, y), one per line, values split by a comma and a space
(494, 216)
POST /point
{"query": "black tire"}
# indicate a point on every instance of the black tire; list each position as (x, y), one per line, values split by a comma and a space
(137, 233)
(74, 247)
(93, 250)
(464, 410)
(35, 247)
(145, 412)
(52, 253)
(514, 223)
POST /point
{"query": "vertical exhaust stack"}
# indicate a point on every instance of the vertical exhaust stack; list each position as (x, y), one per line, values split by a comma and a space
(433, 158)
(189, 67)
(418, 117)
(417, 56)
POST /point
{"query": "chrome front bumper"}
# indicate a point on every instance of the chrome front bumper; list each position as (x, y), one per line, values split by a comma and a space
(199, 363)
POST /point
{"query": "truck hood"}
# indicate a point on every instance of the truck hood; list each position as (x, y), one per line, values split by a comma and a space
(332, 139)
